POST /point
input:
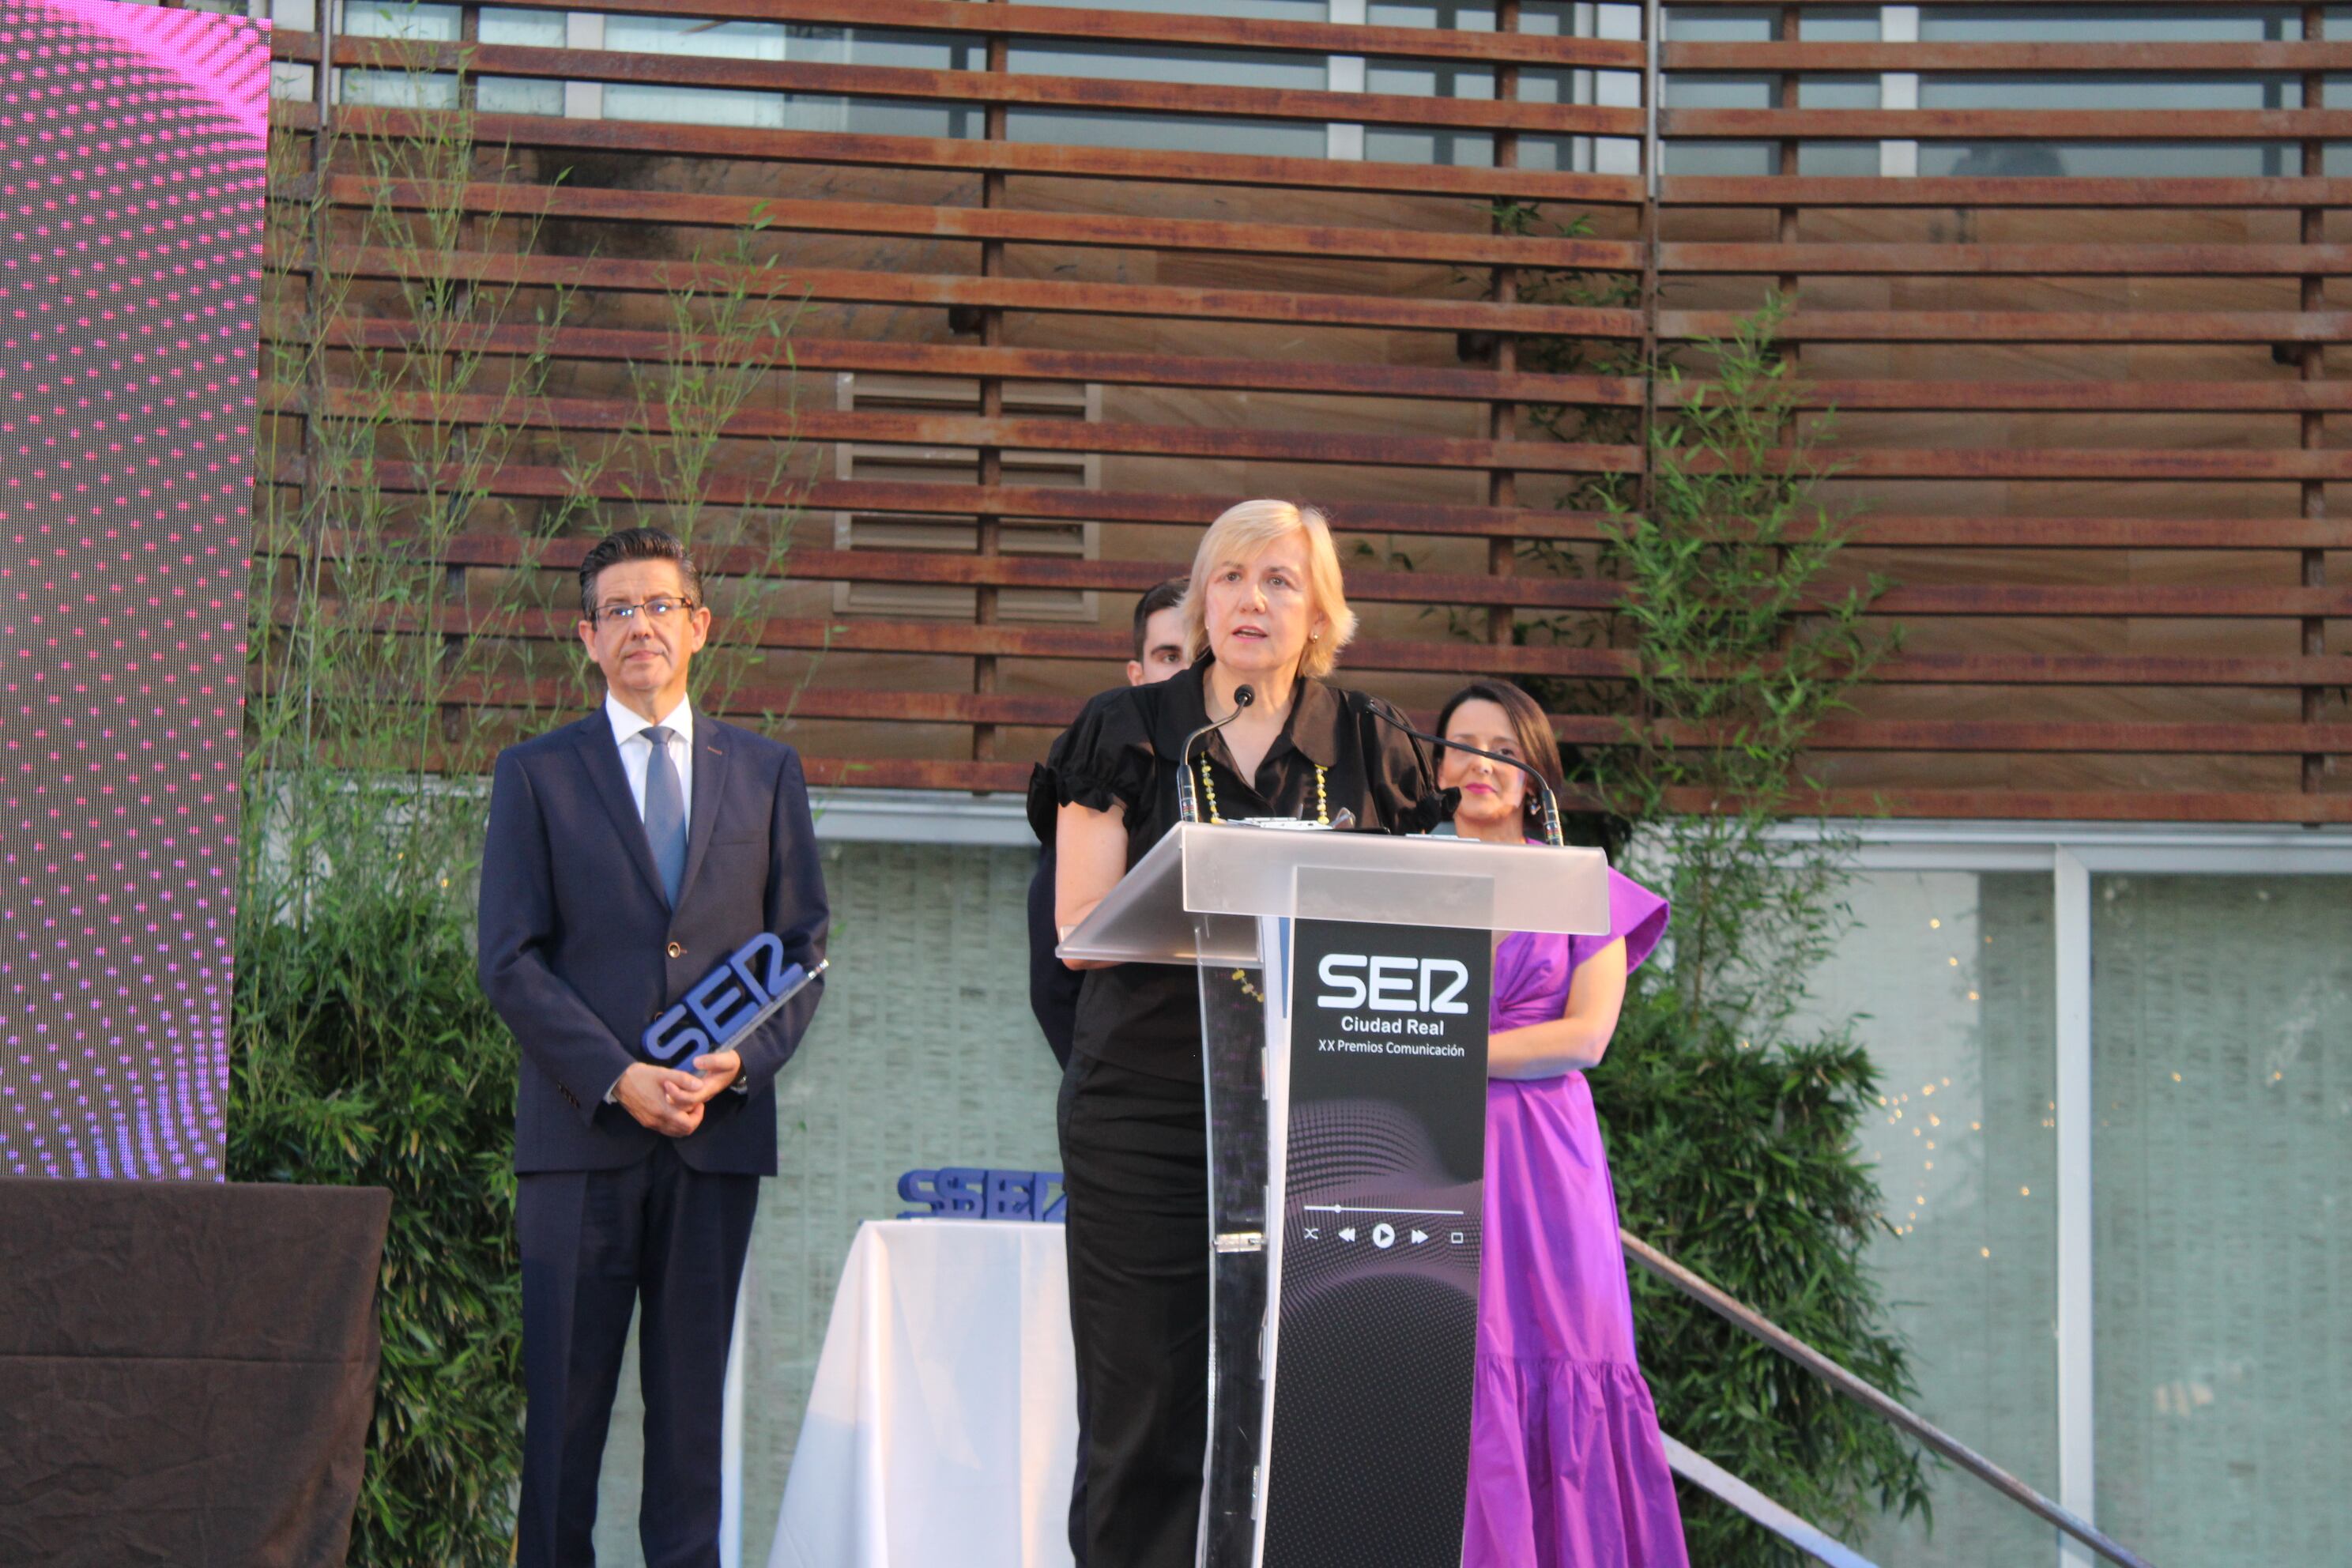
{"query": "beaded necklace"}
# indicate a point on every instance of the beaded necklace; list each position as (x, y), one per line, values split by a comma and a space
(1209, 793)
(1322, 819)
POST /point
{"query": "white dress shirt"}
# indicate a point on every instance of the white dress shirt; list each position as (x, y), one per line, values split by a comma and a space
(637, 750)
(638, 755)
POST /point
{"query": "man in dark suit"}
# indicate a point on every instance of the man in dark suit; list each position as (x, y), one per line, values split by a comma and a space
(628, 855)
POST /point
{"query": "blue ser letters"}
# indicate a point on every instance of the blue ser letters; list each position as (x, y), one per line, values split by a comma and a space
(732, 998)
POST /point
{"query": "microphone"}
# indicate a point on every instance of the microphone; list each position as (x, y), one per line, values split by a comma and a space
(1188, 809)
(1552, 834)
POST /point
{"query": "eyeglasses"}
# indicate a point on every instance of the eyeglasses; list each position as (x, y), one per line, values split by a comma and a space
(658, 608)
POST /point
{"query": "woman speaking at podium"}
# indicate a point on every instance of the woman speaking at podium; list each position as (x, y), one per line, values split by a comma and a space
(1265, 618)
(1567, 1468)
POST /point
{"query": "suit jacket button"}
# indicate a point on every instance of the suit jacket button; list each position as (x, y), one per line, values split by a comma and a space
(676, 950)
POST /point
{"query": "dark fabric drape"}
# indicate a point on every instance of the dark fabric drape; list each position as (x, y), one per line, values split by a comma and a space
(187, 1371)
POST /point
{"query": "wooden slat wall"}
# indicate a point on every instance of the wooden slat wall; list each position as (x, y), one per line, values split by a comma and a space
(2087, 419)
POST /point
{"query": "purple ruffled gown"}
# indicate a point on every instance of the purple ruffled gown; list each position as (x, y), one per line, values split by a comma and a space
(1567, 1470)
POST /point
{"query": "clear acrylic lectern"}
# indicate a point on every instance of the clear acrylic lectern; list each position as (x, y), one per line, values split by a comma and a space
(1344, 985)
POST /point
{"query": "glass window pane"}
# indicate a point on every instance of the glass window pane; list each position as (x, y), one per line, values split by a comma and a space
(1722, 93)
(1839, 160)
(1431, 78)
(1688, 25)
(534, 30)
(1273, 10)
(2109, 160)
(1939, 90)
(1208, 67)
(398, 89)
(1432, 14)
(2094, 23)
(1394, 144)
(1721, 158)
(1837, 93)
(518, 95)
(2222, 1159)
(1839, 24)
(685, 36)
(380, 20)
(1086, 128)
(1955, 974)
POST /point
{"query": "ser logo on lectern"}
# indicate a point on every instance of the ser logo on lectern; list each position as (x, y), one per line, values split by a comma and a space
(1382, 984)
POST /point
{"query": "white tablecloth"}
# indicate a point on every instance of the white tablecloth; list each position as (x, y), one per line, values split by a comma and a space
(942, 1425)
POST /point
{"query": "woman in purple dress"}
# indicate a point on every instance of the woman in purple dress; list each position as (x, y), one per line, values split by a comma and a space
(1567, 1468)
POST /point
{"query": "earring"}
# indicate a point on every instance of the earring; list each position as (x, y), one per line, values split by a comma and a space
(1314, 637)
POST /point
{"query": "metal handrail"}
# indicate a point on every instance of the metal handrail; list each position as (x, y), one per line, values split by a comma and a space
(1797, 1531)
(1756, 1325)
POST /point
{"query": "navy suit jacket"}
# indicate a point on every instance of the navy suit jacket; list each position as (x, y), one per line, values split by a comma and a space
(581, 950)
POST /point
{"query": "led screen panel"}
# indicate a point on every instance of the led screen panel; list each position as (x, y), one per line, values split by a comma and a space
(132, 173)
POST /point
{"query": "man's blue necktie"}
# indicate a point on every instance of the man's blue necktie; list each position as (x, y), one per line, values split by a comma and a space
(664, 812)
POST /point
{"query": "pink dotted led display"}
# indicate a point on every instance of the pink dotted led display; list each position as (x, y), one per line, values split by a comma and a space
(132, 173)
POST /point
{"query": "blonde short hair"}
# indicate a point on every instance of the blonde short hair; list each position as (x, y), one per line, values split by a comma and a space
(1240, 533)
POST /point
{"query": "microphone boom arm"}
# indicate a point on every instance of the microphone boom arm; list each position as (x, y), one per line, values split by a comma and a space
(1188, 807)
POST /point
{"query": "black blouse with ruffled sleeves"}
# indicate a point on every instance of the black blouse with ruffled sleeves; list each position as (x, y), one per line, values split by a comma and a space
(1332, 755)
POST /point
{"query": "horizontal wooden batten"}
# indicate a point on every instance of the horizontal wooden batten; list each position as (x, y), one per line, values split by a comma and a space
(955, 639)
(2167, 125)
(2144, 600)
(744, 144)
(1009, 225)
(807, 563)
(2027, 326)
(2128, 601)
(1997, 191)
(2166, 464)
(1020, 90)
(2062, 806)
(526, 481)
(1054, 712)
(963, 640)
(965, 430)
(842, 285)
(2151, 395)
(1075, 24)
(902, 772)
(1958, 670)
(621, 346)
(928, 498)
(1889, 531)
(1887, 260)
(2198, 57)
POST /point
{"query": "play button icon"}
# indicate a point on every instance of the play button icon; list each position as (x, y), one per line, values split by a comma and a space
(1384, 1235)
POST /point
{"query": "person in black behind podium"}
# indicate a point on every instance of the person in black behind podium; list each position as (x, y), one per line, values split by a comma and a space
(628, 853)
(1053, 985)
(1265, 609)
